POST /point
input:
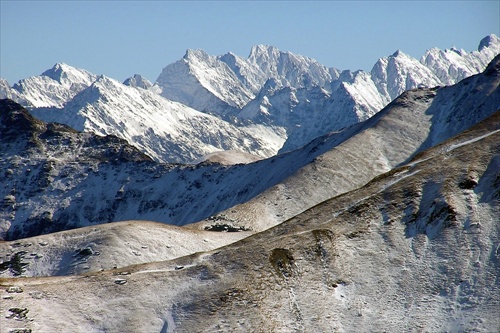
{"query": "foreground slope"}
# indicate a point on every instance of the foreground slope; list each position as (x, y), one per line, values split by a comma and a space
(415, 250)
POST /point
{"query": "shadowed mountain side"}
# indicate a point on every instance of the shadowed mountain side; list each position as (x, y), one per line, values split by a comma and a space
(455, 107)
(56, 178)
(420, 239)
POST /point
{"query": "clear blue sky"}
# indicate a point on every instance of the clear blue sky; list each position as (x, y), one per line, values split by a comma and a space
(121, 38)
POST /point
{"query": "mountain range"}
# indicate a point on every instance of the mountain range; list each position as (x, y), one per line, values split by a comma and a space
(287, 196)
(271, 102)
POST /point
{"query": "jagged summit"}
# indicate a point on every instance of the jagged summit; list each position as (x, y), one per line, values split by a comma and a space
(399, 53)
(54, 87)
(196, 54)
(399, 72)
(70, 77)
(228, 81)
(203, 82)
(290, 69)
(138, 81)
(6, 92)
(451, 66)
(261, 50)
(488, 41)
(57, 71)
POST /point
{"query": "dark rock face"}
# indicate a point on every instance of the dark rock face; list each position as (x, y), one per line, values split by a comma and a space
(35, 156)
(16, 121)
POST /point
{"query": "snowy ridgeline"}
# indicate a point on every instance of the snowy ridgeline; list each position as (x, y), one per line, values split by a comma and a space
(270, 102)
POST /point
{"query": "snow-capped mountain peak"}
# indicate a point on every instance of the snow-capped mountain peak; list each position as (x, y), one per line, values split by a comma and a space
(203, 82)
(489, 41)
(263, 53)
(290, 69)
(196, 55)
(54, 87)
(399, 72)
(399, 53)
(218, 84)
(453, 65)
(138, 81)
(69, 76)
